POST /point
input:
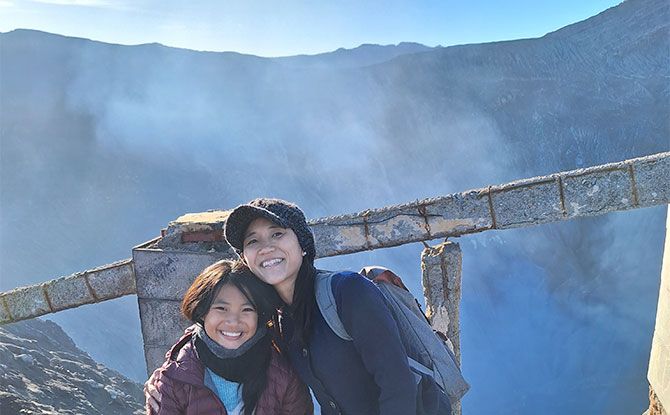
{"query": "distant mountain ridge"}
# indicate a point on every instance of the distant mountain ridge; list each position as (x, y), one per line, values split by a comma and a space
(362, 55)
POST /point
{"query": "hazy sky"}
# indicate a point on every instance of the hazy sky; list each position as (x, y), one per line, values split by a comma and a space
(279, 28)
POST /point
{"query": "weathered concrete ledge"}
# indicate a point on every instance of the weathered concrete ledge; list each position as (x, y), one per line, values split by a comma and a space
(631, 184)
(441, 268)
(92, 286)
(163, 276)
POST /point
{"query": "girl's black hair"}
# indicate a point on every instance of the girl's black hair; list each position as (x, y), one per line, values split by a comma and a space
(199, 297)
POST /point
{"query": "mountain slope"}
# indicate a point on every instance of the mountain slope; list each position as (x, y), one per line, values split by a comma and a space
(43, 372)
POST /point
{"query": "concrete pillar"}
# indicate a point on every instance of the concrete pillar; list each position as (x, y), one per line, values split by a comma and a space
(163, 276)
(441, 268)
(164, 269)
(659, 363)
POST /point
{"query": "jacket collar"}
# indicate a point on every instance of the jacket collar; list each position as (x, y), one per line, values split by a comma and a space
(184, 364)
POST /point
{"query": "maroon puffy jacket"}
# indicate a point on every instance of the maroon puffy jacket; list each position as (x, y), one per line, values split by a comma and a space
(181, 383)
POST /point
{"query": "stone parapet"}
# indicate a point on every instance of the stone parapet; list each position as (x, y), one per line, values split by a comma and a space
(162, 326)
(630, 184)
(167, 274)
(451, 215)
(163, 276)
(196, 232)
(92, 286)
(441, 267)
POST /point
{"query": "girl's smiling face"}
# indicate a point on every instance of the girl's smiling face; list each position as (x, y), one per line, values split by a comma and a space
(274, 255)
(231, 319)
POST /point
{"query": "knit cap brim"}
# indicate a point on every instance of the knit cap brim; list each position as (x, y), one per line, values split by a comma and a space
(239, 220)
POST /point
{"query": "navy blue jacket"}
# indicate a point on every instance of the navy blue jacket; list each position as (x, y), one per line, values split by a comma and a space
(367, 376)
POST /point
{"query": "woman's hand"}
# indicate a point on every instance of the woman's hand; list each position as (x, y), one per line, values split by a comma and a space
(152, 397)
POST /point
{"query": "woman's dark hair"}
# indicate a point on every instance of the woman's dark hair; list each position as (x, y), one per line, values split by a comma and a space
(262, 296)
(304, 300)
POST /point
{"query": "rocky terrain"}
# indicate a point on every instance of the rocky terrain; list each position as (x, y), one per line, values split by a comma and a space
(42, 371)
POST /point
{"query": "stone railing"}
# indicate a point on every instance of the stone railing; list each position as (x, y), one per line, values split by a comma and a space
(92, 286)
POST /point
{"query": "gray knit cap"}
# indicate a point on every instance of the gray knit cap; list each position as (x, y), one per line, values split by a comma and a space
(281, 212)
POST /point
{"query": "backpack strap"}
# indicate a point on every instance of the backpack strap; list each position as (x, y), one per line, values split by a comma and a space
(418, 367)
(325, 299)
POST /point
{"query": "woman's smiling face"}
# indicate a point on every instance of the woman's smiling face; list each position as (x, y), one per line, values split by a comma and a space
(274, 255)
(231, 319)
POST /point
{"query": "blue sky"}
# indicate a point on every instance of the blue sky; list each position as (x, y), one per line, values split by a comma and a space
(280, 28)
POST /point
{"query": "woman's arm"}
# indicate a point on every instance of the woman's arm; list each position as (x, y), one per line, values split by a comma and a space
(297, 399)
(152, 398)
(369, 322)
(166, 399)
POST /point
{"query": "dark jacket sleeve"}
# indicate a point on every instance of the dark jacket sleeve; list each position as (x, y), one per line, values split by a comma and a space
(369, 322)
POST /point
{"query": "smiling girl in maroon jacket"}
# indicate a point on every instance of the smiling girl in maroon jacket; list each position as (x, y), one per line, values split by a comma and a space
(226, 362)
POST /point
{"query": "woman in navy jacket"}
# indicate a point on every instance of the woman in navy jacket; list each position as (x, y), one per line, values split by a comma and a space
(369, 375)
